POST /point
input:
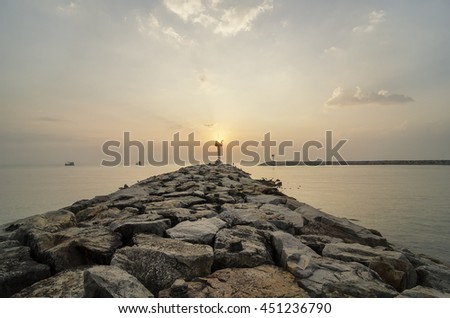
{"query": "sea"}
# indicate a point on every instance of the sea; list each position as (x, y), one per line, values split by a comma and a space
(409, 205)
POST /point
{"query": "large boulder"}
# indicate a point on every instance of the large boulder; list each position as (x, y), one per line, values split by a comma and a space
(178, 202)
(266, 198)
(96, 281)
(177, 215)
(423, 292)
(241, 246)
(66, 284)
(265, 217)
(17, 269)
(157, 262)
(321, 223)
(436, 276)
(318, 242)
(264, 281)
(393, 267)
(112, 282)
(245, 214)
(145, 223)
(53, 221)
(283, 218)
(202, 231)
(97, 212)
(326, 277)
(74, 247)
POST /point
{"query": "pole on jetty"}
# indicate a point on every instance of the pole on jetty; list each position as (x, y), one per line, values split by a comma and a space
(219, 145)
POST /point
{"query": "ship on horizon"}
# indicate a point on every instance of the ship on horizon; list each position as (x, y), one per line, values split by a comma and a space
(69, 163)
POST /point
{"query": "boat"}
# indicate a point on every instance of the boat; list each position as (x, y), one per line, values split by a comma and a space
(69, 163)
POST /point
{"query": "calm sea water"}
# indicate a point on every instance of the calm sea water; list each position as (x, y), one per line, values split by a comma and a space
(409, 205)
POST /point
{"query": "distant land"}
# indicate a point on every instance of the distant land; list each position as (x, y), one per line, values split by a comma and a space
(358, 163)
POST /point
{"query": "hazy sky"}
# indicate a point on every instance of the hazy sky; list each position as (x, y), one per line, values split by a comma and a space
(74, 74)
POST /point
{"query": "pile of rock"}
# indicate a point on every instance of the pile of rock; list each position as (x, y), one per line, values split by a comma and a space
(206, 231)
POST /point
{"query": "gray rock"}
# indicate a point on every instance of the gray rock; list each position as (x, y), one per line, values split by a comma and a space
(283, 218)
(393, 267)
(96, 211)
(177, 194)
(288, 247)
(318, 242)
(423, 292)
(112, 282)
(178, 289)
(50, 222)
(259, 282)
(103, 215)
(157, 262)
(266, 198)
(241, 246)
(321, 223)
(292, 203)
(245, 214)
(17, 269)
(75, 247)
(435, 276)
(220, 198)
(265, 217)
(326, 277)
(181, 202)
(201, 231)
(177, 215)
(67, 284)
(146, 223)
(83, 204)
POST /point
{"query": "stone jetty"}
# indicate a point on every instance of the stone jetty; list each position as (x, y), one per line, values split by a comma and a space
(206, 231)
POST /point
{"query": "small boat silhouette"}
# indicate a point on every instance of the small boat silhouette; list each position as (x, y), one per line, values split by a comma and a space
(69, 163)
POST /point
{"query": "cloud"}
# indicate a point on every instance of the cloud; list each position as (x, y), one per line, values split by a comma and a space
(333, 51)
(67, 8)
(185, 9)
(236, 20)
(375, 18)
(348, 97)
(152, 27)
(212, 15)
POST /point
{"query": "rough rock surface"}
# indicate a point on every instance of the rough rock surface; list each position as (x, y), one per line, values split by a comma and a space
(201, 231)
(241, 246)
(112, 282)
(261, 281)
(147, 223)
(206, 231)
(393, 267)
(326, 277)
(64, 284)
(321, 223)
(17, 269)
(423, 292)
(157, 262)
(49, 222)
(435, 276)
(266, 217)
(75, 246)
(177, 215)
(96, 281)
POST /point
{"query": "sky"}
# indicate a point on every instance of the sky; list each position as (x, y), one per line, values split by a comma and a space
(75, 74)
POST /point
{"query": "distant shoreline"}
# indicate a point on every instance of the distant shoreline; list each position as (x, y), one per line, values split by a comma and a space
(359, 163)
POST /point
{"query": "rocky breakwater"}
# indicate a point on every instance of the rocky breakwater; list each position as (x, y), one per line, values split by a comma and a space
(206, 231)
